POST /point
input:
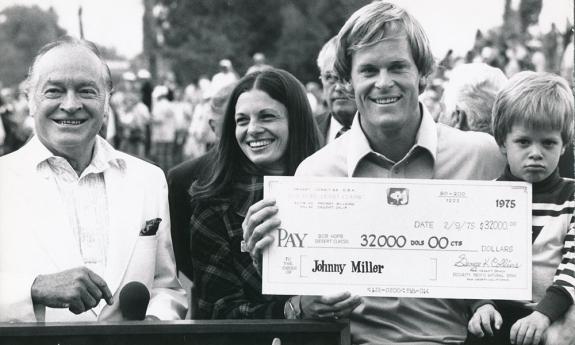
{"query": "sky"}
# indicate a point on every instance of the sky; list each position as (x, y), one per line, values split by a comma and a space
(112, 23)
(450, 24)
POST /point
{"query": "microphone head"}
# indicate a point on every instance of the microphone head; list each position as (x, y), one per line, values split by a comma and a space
(134, 299)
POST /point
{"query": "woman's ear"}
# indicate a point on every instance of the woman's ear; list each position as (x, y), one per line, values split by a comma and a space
(503, 149)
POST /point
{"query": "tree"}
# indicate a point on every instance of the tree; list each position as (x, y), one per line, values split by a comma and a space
(198, 33)
(306, 26)
(23, 30)
(299, 43)
(511, 29)
(529, 11)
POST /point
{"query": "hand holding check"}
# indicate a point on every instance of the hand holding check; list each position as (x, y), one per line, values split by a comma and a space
(261, 219)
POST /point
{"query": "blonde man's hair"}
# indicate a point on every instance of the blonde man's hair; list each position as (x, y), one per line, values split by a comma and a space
(375, 22)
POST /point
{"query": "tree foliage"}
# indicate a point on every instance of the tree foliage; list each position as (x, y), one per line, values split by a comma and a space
(529, 11)
(198, 33)
(23, 30)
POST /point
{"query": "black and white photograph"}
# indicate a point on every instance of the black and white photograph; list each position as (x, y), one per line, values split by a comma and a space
(274, 172)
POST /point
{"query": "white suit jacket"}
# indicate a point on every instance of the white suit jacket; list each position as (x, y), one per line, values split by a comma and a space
(36, 238)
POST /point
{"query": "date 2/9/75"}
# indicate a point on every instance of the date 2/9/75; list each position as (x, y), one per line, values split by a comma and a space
(505, 203)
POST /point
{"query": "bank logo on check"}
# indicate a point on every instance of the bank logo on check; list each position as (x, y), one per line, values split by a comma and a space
(398, 196)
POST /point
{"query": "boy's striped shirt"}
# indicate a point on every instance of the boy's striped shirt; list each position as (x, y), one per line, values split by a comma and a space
(553, 236)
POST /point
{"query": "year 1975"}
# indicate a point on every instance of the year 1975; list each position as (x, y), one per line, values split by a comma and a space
(505, 203)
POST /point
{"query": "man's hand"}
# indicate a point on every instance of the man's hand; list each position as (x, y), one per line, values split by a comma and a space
(482, 319)
(530, 329)
(330, 306)
(78, 289)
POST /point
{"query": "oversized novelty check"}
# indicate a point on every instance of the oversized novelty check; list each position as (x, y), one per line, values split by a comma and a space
(400, 237)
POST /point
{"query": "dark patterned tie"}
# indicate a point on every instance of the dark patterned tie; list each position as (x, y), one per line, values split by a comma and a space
(341, 131)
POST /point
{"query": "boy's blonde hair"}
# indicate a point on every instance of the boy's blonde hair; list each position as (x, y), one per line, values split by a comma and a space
(540, 101)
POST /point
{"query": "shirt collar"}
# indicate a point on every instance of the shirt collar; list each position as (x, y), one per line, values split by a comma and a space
(427, 134)
(334, 126)
(104, 156)
(548, 184)
(426, 138)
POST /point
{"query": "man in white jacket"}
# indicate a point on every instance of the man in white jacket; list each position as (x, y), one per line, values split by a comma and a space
(78, 219)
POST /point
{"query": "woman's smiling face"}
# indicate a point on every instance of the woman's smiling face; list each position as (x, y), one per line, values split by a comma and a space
(262, 130)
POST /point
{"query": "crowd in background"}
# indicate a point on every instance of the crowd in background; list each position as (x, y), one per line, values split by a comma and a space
(552, 52)
(167, 123)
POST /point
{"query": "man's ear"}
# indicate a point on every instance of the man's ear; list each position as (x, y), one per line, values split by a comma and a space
(461, 119)
(422, 83)
(107, 107)
(30, 103)
(563, 149)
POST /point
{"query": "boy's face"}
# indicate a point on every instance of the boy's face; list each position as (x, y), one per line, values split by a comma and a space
(532, 154)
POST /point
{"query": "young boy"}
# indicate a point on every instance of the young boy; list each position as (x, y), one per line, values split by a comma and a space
(532, 124)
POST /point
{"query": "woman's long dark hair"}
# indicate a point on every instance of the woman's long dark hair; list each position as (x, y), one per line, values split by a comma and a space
(303, 133)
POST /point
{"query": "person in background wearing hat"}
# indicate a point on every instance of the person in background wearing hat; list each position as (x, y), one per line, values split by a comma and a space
(199, 136)
(164, 124)
(259, 63)
(226, 76)
(133, 117)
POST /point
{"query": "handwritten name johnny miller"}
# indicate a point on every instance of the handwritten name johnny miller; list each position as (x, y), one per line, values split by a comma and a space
(356, 267)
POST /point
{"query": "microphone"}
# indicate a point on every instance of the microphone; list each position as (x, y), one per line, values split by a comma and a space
(134, 299)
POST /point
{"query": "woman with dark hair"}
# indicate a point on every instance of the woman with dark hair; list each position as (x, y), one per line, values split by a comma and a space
(268, 129)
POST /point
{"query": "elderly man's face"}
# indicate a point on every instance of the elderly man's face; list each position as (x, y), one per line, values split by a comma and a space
(68, 99)
(339, 104)
(386, 85)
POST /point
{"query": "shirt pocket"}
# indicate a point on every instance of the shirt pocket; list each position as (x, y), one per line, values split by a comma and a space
(143, 261)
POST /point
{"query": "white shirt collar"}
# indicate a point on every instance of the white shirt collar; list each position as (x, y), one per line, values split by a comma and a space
(334, 128)
(104, 156)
